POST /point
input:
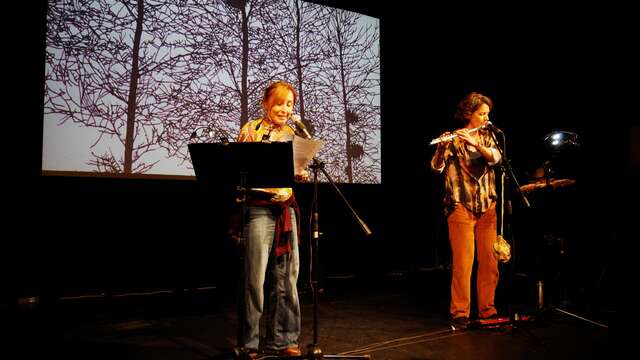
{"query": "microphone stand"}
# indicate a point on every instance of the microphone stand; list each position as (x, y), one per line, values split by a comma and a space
(503, 168)
(506, 172)
(314, 351)
(506, 165)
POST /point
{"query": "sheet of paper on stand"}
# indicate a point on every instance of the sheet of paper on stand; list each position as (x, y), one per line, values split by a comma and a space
(303, 152)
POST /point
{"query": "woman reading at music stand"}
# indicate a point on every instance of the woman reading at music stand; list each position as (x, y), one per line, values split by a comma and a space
(271, 247)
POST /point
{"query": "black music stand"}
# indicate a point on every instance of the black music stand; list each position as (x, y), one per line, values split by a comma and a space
(240, 163)
(240, 166)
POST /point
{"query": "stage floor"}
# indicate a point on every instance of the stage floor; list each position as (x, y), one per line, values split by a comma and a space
(399, 317)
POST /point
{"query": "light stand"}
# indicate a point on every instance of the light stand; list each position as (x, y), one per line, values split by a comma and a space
(557, 142)
(517, 318)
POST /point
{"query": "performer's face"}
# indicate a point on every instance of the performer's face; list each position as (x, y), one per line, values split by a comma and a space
(480, 116)
(280, 108)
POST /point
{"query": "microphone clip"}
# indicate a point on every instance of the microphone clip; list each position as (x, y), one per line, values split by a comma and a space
(300, 128)
(489, 125)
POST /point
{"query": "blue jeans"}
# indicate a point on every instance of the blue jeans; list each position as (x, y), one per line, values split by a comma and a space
(282, 317)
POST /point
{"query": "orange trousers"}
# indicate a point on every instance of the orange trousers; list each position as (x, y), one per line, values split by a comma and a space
(469, 234)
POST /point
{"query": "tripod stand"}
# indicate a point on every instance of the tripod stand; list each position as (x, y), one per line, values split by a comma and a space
(516, 318)
(554, 249)
(314, 351)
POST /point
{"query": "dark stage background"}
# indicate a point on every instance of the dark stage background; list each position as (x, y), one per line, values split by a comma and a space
(546, 67)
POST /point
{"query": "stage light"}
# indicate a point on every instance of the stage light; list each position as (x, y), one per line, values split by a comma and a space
(204, 131)
(561, 140)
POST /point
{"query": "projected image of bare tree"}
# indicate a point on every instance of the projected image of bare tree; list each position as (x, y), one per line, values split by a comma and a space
(350, 81)
(140, 76)
(102, 71)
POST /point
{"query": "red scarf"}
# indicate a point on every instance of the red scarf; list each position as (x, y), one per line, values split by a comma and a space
(283, 222)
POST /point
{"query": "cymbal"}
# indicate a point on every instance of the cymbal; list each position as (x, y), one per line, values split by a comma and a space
(541, 184)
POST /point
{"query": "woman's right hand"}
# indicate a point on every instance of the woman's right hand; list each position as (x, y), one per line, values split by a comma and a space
(302, 176)
(443, 144)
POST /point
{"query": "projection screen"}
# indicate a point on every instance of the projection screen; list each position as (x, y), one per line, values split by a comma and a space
(128, 85)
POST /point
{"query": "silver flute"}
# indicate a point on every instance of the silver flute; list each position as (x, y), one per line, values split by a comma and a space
(451, 136)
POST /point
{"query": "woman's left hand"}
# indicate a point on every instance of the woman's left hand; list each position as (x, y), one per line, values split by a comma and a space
(466, 137)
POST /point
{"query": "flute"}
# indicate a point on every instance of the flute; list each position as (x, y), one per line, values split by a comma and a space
(454, 135)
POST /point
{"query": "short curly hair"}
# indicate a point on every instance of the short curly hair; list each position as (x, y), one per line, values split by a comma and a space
(469, 104)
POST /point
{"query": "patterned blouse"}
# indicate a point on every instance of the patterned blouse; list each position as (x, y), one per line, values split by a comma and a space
(259, 130)
(469, 177)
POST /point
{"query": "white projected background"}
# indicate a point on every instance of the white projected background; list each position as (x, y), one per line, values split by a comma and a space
(127, 83)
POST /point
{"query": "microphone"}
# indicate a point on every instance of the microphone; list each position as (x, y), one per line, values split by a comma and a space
(489, 125)
(300, 126)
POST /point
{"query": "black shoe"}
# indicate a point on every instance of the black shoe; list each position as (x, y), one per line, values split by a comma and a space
(459, 323)
(242, 353)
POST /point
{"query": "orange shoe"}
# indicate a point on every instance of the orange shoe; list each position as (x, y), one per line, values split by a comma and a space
(291, 351)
